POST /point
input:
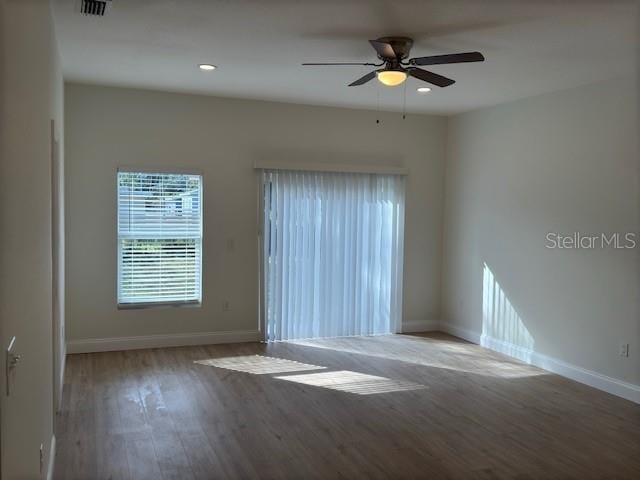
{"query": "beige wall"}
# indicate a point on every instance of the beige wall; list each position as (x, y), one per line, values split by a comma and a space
(31, 95)
(111, 127)
(562, 162)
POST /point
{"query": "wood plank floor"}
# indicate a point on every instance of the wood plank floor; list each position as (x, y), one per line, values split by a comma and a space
(155, 414)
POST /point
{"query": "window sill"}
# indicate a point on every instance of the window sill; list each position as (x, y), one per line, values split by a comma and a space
(159, 305)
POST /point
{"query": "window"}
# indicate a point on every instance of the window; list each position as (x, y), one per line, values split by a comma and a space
(159, 238)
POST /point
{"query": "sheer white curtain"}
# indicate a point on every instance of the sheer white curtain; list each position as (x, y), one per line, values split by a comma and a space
(333, 253)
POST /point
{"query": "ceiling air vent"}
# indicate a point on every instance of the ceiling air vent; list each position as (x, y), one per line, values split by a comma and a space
(94, 7)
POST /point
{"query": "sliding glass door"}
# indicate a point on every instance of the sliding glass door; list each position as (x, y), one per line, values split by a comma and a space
(333, 248)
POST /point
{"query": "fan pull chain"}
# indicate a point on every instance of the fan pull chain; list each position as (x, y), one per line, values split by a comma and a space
(404, 101)
(378, 106)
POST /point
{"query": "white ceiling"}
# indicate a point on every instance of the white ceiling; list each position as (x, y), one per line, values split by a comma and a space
(531, 47)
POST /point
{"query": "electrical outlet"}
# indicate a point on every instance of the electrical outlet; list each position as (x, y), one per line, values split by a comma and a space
(226, 306)
(624, 350)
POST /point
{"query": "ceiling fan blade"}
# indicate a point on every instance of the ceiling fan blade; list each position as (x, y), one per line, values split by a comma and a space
(358, 64)
(452, 58)
(364, 79)
(385, 50)
(430, 77)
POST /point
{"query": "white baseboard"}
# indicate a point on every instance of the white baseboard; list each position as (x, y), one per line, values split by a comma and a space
(468, 335)
(521, 353)
(52, 458)
(597, 380)
(92, 345)
(413, 326)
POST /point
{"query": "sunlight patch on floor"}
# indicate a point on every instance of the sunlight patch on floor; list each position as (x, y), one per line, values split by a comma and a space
(258, 364)
(466, 358)
(353, 382)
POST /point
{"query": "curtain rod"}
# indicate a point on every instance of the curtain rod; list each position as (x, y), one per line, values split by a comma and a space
(330, 167)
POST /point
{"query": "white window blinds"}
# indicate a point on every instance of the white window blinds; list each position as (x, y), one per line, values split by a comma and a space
(333, 253)
(159, 238)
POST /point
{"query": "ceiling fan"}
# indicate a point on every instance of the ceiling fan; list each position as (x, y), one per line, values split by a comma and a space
(393, 52)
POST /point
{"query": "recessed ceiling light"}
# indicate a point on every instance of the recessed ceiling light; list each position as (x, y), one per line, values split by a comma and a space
(207, 67)
(424, 90)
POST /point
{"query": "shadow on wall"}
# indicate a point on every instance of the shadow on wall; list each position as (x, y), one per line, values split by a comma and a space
(502, 327)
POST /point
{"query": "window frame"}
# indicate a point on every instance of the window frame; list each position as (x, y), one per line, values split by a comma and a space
(169, 303)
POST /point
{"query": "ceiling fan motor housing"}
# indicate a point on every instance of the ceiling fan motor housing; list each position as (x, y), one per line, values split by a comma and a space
(400, 45)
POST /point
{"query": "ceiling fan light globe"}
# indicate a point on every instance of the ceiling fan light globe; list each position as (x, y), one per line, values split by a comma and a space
(392, 78)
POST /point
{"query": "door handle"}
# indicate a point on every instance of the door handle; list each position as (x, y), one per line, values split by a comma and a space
(14, 360)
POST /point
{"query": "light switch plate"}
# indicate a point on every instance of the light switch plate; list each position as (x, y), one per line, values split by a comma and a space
(624, 350)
